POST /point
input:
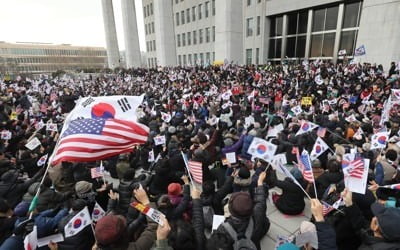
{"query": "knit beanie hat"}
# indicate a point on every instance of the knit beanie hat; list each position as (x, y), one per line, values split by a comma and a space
(174, 189)
(110, 229)
(241, 205)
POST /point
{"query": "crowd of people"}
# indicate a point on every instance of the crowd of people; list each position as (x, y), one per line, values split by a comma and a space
(207, 113)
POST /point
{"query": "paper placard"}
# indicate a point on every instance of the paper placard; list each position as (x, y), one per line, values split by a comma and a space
(53, 238)
(152, 213)
(32, 144)
(358, 185)
(306, 101)
(217, 220)
(159, 140)
(231, 157)
(6, 135)
(51, 127)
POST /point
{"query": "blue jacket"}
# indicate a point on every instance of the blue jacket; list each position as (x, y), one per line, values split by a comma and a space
(47, 221)
(246, 144)
(235, 147)
(13, 242)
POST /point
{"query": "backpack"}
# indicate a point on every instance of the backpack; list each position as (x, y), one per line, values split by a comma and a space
(244, 243)
(208, 215)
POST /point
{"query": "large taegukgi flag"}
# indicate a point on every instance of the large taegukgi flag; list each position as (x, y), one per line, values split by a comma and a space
(100, 127)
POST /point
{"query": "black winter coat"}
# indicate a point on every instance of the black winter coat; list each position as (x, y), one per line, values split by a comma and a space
(325, 180)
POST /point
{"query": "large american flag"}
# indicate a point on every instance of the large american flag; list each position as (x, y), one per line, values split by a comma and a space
(354, 168)
(305, 166)
(196, 171)
(96, 139)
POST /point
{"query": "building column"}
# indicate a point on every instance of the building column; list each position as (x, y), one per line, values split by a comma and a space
(309, 30)
(284, 33)
(265, 34)
(165, 33)
(229, 31)
(338, 32)
(113, 56)
(132, 49)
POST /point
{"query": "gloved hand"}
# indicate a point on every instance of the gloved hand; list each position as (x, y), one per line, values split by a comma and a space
(24, 227)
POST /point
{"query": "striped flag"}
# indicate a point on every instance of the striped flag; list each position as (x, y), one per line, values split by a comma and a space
(96, 172)
(354, 168)
(95, 139)
(304, 164)
(321, 132)
(393, 186)
(326, 208)
(196, 171)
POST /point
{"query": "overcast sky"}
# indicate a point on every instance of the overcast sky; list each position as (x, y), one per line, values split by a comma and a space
(76, 22)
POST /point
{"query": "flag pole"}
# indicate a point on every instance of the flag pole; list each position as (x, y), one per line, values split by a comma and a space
(315, 188)
(102, 170)
(187, 169)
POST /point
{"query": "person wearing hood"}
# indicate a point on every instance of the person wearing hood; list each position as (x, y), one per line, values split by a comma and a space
(333, 175)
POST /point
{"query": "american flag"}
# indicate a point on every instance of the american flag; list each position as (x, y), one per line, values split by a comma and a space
(326, 208)
(96, 172)
(196, 171)
(305, 166)
(321, 132)
(354, 168)
(96, 139)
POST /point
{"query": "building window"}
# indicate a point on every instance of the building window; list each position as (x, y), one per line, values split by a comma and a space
(213, 56)
(177, 19)
(182, 17)
(249, 26)
(325, 19)
(184, 60)
(144, 11)
(148, 10)
(180, 60)
(154, 45)
(183, 40)
(213, 33)
(151, 8)
(207, 35)
(190, 59)
(296, 34)
(176, 1)
(199, 10)
(147, 46)
(348, 41)
(352, 13)
(187, 15)
(248, 2)
(257, 56)
(275, 48)
(276, 26)
(208, 58)
(258, 25)
(213, 7)
(193, 13)
(145, 28)
(152, 27)
(189, 38)
(178, 38)
(194, 37)
(249, 53)
(200, 36)
(195, 59)
(206, 7)
(201, 58)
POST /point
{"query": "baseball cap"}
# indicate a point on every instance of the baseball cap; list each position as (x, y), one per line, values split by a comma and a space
(388, 220)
